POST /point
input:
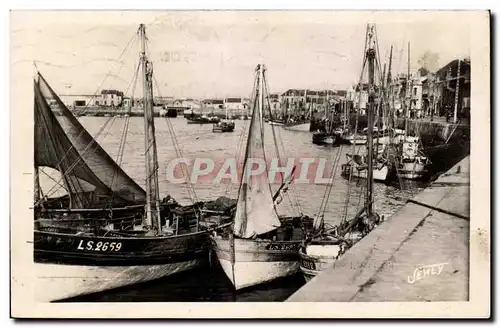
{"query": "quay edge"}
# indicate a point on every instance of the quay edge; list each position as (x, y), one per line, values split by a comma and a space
(384, 264)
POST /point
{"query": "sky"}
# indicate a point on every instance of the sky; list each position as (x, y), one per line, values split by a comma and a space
(212, 54)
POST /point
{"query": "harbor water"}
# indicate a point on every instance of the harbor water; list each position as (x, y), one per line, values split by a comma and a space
(198, 141)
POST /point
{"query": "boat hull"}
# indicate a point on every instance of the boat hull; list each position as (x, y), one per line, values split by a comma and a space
(256, 261)
(304, 127)
(411, 171)
(324, 139)
(311, 265)
(276, 123)
(86, 264)
(58, 281)
(379, 174)
(359, 140)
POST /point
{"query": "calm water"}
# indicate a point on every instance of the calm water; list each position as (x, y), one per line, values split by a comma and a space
(210, 283)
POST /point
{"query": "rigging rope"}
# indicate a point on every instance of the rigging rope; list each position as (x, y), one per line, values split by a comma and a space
(86, 107)
(189, 186)
(80, 158)
(241, 140)
(329, 188)
(129, 43)
(276, 145)
(123, 138)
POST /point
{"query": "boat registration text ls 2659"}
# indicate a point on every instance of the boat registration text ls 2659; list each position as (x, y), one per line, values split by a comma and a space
(283, 247)
(99, 246)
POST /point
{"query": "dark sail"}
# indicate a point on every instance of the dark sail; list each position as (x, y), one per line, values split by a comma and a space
(90, 175)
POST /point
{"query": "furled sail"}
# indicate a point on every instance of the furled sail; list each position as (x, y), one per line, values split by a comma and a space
(255, 212)
(62, 143)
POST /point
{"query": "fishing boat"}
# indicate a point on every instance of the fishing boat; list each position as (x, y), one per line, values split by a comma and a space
(410, 162)
(107, 231)
(327, 137)
(300, 121)
(259, 246)
(276, 122)
(225, 125)
(324, 246)
(324, 138)
(201, 119)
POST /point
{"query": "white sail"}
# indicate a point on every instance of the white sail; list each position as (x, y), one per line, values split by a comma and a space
(255, 212)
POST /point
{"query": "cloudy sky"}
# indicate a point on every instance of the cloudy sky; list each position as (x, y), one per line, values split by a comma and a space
(213, 54)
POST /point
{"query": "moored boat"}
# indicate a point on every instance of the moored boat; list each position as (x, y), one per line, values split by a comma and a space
(224, 126)
(298, 126)
(201, 119)
(259, 246)
(324, 138)
(357, 167)
(107, 231)
(325, 246)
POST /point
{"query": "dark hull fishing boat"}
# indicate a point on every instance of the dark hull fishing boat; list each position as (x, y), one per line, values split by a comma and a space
(324, 138)
(201, 119)
(223, 126)
(107, 232)
(259, 246)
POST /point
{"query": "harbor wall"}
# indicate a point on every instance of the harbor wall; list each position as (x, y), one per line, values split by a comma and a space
(390, 264)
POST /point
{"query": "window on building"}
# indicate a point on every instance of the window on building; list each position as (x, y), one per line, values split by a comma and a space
(414, 91)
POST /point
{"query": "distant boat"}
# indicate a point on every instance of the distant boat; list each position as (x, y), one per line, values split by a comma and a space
(224, 125)
(357, 167)
(202, 119)
(276, 122)
(324, 138)
(302, 127)
(172, 112)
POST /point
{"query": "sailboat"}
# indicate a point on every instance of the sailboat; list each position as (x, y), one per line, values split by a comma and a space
(259, 246)
(224, 125)
(358, 165)
(302, 124)
(331, 135)
(411, 162)
(324, 246)
(107, 231)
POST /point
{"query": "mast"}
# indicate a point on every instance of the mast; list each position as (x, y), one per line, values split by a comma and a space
(370, 54)
(408, 93)
(389, 85)
(380, 109)
(37, 190)
(151, 160)
(457, 91)
(261, 93)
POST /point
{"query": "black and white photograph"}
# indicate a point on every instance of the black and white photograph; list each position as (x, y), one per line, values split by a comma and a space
(285, 160)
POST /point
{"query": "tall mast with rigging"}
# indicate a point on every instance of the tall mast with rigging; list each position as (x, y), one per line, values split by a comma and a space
(151, 156)
(389, 90)
(370, 54)
(408, 94)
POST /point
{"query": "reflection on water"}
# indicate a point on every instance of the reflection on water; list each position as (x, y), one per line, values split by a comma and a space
(210, 283)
